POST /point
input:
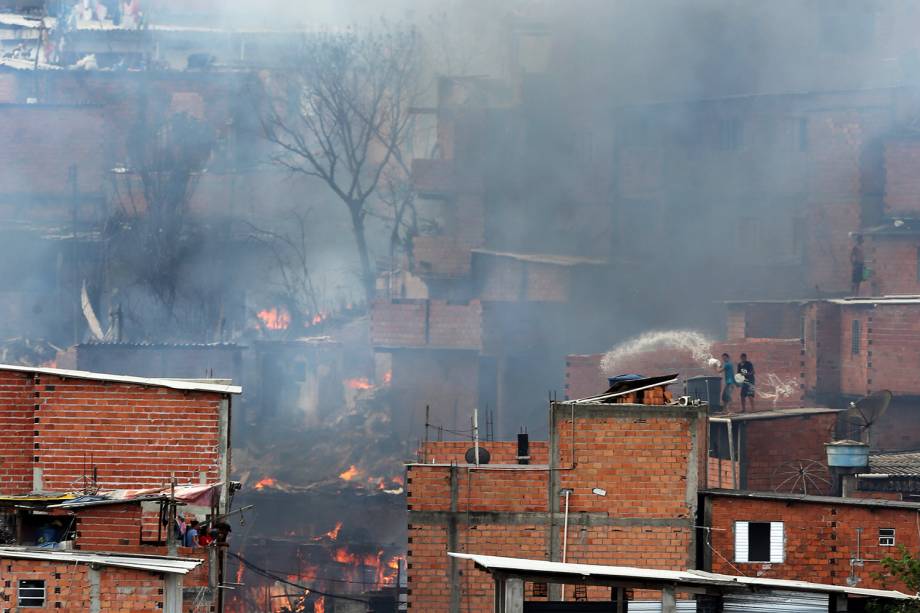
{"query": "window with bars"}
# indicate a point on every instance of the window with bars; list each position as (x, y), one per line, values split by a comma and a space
(759, 541)
(855, 332)
(886, 537)
(31, 593)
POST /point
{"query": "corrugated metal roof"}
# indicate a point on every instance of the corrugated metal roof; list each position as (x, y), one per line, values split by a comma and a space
(775, 414)
(863, 502)
(542, 258)
(152, 382)
(156, 564)
(903, 463)
(687, 577)
(879, 300)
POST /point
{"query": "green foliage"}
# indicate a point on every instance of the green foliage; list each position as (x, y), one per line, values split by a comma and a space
(903, 569)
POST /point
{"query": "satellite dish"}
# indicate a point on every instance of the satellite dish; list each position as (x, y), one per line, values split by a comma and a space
(484, 455)
(863, 413)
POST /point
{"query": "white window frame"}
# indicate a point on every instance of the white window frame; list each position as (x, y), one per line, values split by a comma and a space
(886, 540)
(32, 594)
(777, 542)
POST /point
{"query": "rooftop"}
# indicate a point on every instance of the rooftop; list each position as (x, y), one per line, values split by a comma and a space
(542, 258)
(877, 300)
(157, 564)
(775, 414)
(177, 384)
(903, 463)
(831, 500)
(650, 578)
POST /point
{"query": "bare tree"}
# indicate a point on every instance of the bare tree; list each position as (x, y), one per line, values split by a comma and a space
(339, 111)
(152, 234)
(290, 252)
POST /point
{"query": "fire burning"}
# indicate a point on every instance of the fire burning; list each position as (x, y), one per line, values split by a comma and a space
(350, 473)
(275, 318)
(332, 535)
(266, 482)
(360, 383)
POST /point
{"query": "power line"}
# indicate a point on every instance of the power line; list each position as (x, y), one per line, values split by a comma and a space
(265, 573)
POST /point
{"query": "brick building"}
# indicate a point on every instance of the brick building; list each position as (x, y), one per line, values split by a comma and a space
(824, 539)
(50, 580)
(76, 445)
(479, 309)
(631, 471)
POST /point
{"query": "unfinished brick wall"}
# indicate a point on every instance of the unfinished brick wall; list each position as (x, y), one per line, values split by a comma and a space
(426, 323)
(109, 528)
(886, 355)
(822, 347)
(638, 454)
(135, 436)
(893, 261)
(583, 376)
(820, 538)
(69, 588)
(441, 256)
(500, 452)
(902, 182)
(510, 279)
(771, 448)
(42, 142)
(17, 423)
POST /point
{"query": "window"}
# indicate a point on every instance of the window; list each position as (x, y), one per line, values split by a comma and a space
(855, 332)
(759, 541)
(886, 537)
(31, 593)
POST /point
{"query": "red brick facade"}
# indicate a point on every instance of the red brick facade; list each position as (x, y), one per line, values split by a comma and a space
(820, 536)
(647, 458)
(69, 587)
(135, 435)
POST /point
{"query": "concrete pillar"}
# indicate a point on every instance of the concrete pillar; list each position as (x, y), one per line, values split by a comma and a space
(514, 596)
(668, 601)
(95, 602)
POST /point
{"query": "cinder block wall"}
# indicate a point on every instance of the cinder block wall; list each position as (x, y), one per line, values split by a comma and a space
(647, 459)
(136, 436)
(820, 538)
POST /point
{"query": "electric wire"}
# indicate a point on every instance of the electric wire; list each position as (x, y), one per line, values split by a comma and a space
(269, 575)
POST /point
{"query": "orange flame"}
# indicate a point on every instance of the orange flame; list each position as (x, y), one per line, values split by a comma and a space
(320, 605)
(332, 535)
(266, 482)
(388, 377)
(319, 318)
(275, 318)
(360, 383)
(350, 473)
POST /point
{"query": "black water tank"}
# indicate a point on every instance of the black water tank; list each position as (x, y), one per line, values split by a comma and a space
(707, 389)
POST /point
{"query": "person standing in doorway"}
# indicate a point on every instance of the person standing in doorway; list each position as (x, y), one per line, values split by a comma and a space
(746, 370)
(728, 372)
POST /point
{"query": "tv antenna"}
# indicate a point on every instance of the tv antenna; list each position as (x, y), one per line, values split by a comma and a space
(864, 412)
